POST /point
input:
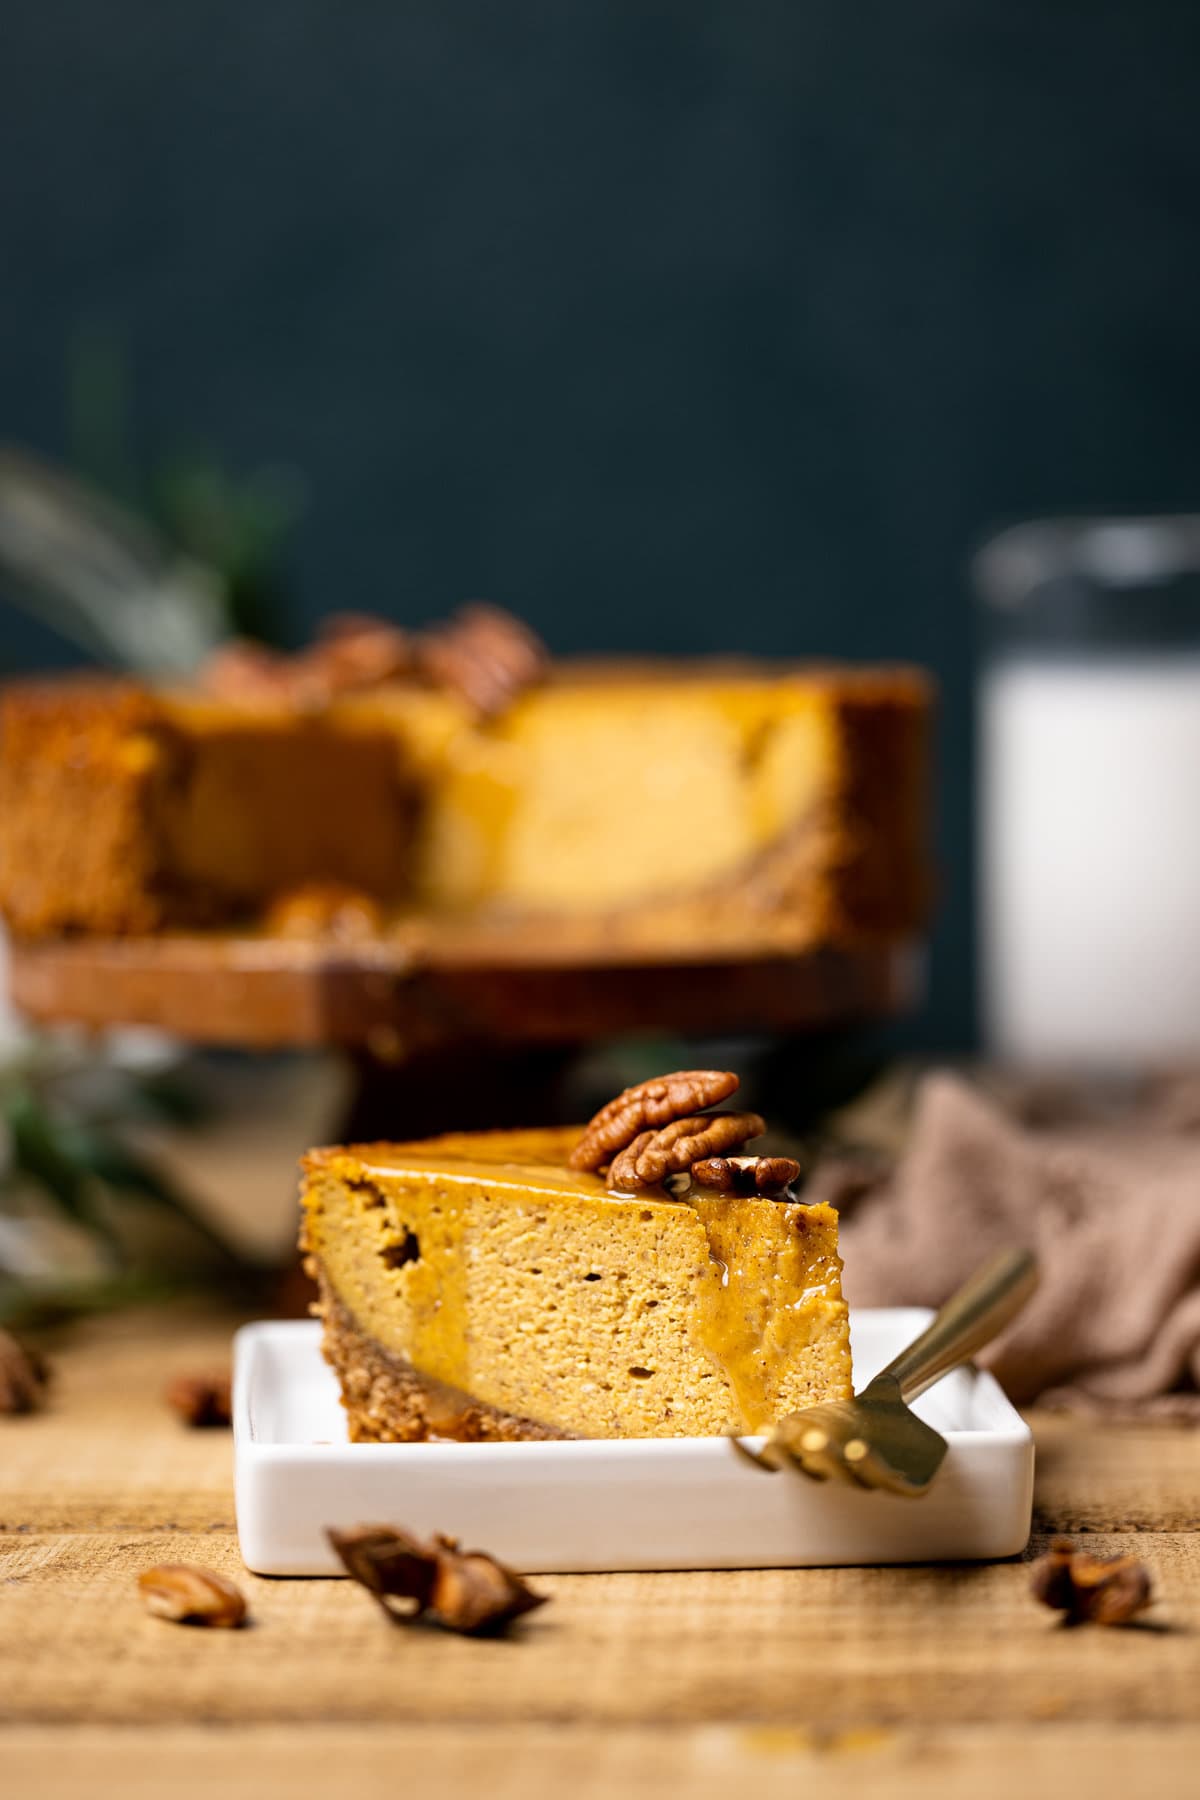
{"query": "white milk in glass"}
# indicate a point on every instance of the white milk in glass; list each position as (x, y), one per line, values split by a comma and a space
(1090, 821)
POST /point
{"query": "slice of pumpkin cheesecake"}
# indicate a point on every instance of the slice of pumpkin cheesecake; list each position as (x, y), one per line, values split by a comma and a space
(477, 1286)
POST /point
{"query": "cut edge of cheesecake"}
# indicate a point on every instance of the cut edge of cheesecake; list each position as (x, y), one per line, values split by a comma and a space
(474, 1287)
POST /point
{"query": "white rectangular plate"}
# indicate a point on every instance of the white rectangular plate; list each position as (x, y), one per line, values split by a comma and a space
(632, 1503)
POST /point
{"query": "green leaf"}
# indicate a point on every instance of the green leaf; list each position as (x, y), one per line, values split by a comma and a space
(43, 1151)
(168, 1097)
(40, 1153)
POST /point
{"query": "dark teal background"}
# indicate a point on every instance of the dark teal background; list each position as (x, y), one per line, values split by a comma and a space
(673, 326)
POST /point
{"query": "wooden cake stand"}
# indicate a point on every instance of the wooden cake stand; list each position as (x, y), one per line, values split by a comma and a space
(455, 1002)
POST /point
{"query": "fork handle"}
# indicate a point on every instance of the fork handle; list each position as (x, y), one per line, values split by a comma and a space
(980, 1309)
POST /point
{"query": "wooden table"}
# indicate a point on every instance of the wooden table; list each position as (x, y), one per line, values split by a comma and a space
(897, 1682)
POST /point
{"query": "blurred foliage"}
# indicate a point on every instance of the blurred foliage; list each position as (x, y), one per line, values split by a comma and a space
(67, 1123)
(237, 526)
(144, 563)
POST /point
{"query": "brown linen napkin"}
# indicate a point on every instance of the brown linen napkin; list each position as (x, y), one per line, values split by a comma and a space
(1112, 1210)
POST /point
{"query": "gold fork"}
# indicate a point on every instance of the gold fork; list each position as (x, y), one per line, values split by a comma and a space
(875, 1439)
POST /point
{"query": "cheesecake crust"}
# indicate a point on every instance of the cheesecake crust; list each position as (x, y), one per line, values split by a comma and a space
(387, 1401)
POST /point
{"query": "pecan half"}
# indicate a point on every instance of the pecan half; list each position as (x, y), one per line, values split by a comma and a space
(464, 1590)
(746, 1174)
(325, 909)
(354, 650)
(679, 1145)
(24, 1376)
(484, 655)
(647, 1107)
(201, 1401)
(189, 1595)
(1102, 1590)
(622, 1174)
(240, 669)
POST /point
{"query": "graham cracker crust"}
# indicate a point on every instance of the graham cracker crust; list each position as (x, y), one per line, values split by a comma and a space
(387, 1401)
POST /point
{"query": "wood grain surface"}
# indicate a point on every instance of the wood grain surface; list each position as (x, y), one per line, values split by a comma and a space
(931, 1681)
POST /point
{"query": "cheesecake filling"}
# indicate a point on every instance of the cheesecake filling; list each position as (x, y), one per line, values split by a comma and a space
(763, 1300)
(527, 1287)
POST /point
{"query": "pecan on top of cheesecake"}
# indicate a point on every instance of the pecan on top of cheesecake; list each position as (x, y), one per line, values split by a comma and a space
(646, 1278)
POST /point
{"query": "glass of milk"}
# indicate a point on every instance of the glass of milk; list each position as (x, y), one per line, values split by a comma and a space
(1089, 797)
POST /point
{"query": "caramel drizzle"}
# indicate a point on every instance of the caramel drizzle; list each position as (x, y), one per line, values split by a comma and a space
(737, 1324)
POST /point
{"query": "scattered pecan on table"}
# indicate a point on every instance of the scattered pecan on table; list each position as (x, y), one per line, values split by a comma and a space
(202, 1401)
(189, 1595)
(24, 1376)
(1100, 1590)
(464, 1590)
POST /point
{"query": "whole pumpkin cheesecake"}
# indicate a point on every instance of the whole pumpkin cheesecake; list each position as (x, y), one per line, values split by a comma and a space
(645, 1278)
(463, 785)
